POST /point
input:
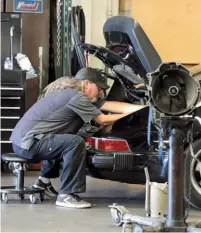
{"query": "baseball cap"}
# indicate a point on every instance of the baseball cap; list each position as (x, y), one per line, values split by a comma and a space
(93, 75)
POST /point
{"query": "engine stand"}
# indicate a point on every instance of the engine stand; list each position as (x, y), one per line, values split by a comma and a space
(175, 220)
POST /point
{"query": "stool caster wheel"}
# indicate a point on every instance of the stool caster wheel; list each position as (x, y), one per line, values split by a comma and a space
(21, 196)
(4, 197)
(41, 197)
(32, 199)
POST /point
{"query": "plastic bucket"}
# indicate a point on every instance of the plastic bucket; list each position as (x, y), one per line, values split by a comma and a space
(158, 199)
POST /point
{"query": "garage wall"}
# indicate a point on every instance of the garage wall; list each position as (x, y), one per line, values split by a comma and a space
(174, 27)
(2, 5)
(125, 7)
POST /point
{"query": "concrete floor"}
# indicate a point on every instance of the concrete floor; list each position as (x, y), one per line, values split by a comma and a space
(46, 217)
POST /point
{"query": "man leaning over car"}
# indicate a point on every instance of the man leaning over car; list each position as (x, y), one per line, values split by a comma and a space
(47, 132)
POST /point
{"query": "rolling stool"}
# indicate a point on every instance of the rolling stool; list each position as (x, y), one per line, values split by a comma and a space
(20, 189)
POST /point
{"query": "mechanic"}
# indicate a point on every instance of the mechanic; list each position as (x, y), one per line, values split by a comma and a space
(47, 133)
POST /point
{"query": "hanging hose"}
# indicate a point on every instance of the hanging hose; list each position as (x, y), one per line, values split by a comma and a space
(76, 23)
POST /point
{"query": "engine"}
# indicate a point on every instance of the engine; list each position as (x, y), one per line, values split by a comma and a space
(173, 93)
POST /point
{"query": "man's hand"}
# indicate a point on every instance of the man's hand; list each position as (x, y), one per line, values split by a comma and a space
(121, 107)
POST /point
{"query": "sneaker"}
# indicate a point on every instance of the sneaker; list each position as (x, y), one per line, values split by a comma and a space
(49, 189)
(71, 201)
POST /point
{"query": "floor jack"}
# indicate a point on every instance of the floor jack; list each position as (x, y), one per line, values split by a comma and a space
(177, 128)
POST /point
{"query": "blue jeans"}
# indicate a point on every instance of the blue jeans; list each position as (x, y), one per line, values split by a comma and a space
(66, 148)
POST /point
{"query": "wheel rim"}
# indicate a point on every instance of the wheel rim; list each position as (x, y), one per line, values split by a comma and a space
(195, 173)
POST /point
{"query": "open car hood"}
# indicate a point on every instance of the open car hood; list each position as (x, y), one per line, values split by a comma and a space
(114, 62)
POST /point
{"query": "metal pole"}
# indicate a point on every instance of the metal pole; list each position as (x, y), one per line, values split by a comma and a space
(11, 46)
(176, 202)
(20, 178)
(40, 52)
(147, 200)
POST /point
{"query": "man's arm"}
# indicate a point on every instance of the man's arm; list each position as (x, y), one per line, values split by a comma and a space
(124, 109)
(87, 111)
(103, 119)
(121, 107)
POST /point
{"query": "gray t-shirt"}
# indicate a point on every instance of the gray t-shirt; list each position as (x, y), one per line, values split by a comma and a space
(62, 112)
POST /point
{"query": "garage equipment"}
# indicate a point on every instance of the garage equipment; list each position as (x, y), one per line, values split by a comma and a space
(11, 36)
(19, 188)
(174, 106)
(19, 91)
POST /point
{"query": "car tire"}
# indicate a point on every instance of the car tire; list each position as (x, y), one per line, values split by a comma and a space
(191, 176)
